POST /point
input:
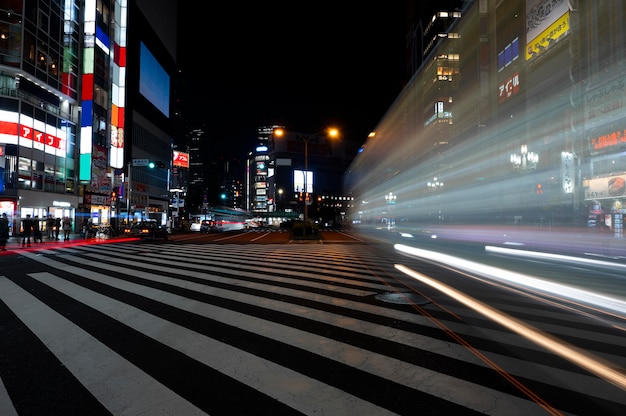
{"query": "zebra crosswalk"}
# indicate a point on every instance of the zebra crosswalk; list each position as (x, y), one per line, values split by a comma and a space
(195, 329)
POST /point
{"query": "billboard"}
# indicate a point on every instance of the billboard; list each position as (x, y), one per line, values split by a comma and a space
(546, 22)
(181, 159)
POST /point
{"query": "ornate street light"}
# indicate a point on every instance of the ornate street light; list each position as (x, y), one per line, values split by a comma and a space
(391, 200)
(524, 160)
(435, 184)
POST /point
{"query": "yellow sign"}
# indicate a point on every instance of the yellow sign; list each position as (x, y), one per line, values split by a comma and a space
(557, 29)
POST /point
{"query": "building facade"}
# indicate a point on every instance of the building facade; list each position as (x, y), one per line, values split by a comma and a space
(70, 72)
(289, 169)
(533, 133)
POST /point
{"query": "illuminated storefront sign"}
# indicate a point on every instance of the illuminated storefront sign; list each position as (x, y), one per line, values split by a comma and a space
(608, 140)
(19, 129)
(567, 172)
(508, 88)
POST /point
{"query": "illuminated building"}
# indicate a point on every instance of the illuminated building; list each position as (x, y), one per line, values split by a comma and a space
(70, 71)
(532, 133)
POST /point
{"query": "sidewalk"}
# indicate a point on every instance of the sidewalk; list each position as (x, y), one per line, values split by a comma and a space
(14, 244)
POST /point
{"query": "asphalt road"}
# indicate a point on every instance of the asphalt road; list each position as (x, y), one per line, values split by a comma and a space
(258, 323)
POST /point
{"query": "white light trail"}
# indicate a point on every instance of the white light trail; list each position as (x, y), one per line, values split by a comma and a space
(585, 360)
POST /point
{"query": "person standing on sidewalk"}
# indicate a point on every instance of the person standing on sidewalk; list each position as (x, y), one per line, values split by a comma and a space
(67, 227)
(4, 231)
(27, 227)
(50, 226)
(37, 230)
(57, 228)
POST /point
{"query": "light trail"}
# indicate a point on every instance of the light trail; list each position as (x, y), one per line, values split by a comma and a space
(583, 359)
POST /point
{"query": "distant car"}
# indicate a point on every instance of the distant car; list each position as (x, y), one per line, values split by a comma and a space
(147, 230)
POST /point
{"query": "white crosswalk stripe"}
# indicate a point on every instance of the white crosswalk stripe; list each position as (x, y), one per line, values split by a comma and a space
(299, 327)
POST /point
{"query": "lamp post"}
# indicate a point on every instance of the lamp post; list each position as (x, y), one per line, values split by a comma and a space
(435, 185)
(391, 200)
(524, 162)
(331, 133)
(176, 191)
(128, 192)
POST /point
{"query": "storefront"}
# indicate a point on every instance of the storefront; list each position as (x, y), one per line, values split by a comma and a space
(39, 205)
(606, 198)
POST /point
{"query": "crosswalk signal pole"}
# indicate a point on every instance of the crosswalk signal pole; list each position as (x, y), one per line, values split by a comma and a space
(128, 192)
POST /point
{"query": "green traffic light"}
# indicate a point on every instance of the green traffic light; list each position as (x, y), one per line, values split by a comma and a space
(151, 165)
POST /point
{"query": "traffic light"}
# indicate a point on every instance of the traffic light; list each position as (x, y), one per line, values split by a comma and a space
(156, 164)
(113, 196)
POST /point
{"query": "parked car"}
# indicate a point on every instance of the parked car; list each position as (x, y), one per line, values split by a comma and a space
(147, 230)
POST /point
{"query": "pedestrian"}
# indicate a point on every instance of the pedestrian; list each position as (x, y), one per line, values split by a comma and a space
(4, 231)
(57, 228)
(67, 227)
(37, 229)
(27, 230)
(50, 226)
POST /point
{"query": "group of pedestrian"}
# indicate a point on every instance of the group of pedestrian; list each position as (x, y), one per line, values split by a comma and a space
(31, 229)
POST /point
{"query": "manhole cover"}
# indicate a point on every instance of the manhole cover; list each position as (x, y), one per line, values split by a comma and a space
(407, 298)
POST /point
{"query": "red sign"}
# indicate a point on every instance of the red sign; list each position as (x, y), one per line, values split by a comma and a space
(40, 137)
(611, 139)
(181, 159)
(508, 88)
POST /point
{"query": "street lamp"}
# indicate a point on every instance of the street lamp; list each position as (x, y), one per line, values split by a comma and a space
(279, 203)
(436, 184)
(391, 200)
(331, 133)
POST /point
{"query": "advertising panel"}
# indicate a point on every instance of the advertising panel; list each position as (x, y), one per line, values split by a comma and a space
(602, 188)
(181, 159)
(546, 21)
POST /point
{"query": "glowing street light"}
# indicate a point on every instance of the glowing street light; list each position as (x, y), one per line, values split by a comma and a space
(525, 159)
(435, 183)
(391, 200)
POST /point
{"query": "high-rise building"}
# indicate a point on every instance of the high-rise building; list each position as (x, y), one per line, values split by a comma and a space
(40, 109)
(151, 67)
(85, 91)
(259, 170)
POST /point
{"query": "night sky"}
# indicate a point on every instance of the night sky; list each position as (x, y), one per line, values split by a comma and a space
(304, 66)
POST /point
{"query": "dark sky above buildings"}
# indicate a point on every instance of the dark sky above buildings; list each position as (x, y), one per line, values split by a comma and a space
(305, 65)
